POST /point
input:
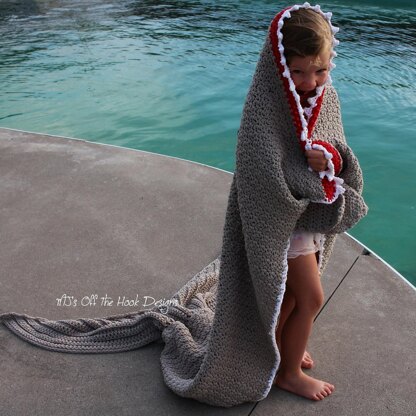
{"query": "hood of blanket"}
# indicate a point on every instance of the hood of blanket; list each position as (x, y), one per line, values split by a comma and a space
(274, 130)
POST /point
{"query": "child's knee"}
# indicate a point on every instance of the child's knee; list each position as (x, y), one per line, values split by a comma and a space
(311, 303)
(318, 301)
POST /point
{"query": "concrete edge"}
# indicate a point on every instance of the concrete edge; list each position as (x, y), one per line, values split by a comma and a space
(119, 147)
(383, 261)
(210, 167)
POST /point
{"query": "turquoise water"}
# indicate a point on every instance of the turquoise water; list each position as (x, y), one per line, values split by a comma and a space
(172, 77)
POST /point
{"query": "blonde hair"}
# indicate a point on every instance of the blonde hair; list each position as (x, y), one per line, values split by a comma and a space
(305, 33)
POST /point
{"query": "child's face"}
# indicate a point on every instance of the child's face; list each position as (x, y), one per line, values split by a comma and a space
(309, 72)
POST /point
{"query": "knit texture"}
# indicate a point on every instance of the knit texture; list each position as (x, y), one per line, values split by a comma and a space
(219, 339)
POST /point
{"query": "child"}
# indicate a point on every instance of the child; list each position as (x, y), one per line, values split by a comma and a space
(307, 42)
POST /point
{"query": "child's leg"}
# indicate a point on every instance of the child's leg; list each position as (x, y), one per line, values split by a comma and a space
(305, 285)
(288, 305)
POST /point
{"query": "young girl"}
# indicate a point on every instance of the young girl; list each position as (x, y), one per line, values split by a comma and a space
(307, 41)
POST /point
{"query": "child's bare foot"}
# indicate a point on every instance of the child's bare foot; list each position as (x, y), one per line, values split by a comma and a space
(307, 361)
(304, 385)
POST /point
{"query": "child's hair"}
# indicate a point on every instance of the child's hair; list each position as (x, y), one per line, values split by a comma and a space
(305, 33)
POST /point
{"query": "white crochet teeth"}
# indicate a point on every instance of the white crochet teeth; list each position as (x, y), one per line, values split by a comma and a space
(329, 80)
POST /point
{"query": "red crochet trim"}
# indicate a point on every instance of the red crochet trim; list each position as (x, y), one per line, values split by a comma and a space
(315, 112)
(329, 187)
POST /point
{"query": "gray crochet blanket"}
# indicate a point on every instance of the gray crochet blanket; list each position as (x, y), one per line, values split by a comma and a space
(219, 339)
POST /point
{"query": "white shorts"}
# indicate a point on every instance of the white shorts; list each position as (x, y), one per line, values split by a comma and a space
(303, 242)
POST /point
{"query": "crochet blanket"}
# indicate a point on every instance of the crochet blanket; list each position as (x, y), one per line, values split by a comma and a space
(219, 328)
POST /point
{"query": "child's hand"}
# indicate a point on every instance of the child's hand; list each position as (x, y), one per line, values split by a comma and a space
(316, 160)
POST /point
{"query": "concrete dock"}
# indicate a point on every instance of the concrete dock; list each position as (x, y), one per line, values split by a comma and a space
(80, 219)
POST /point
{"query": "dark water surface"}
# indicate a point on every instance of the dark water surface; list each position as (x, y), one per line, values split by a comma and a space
(172, 77)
